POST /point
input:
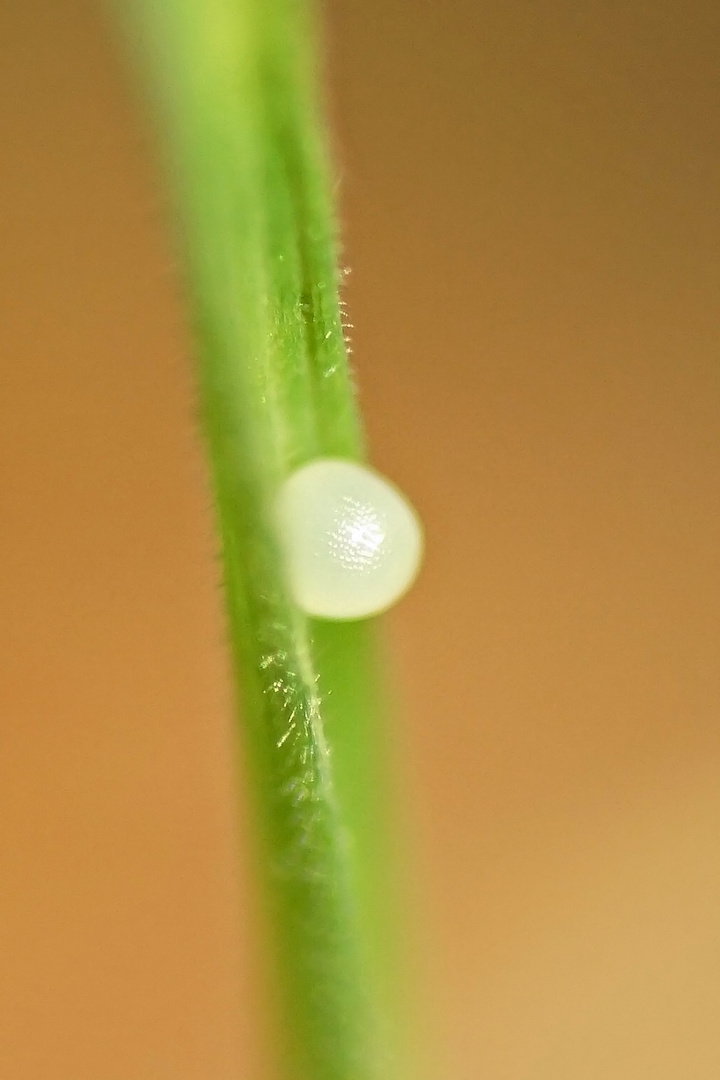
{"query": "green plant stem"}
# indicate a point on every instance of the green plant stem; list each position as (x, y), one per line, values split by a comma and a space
(245, 149)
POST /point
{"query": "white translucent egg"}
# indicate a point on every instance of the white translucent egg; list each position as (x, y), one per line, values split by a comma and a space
(352, 542)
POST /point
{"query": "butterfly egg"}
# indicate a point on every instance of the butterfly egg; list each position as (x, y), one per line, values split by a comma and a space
(352, 542)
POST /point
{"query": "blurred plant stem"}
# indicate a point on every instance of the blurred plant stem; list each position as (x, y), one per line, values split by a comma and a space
(234, 85)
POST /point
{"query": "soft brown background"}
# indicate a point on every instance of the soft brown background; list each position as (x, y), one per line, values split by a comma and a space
(531, 197)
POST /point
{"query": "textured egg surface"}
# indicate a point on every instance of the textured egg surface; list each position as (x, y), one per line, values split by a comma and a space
(352, 541)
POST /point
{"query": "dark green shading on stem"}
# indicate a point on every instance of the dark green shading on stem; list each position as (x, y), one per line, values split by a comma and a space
(235, 85)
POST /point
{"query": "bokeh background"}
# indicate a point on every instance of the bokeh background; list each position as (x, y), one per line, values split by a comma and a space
(531, 201)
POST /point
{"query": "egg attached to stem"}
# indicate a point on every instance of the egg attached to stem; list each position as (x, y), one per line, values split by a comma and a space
(352, 542)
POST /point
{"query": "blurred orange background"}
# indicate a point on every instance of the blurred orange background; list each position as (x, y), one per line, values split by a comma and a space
(530, 195)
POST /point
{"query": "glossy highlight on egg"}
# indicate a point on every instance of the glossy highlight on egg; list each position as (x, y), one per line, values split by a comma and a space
(352, 542)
